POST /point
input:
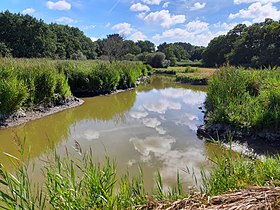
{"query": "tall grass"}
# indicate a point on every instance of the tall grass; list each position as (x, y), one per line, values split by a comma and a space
(232, 172)
(245, 99)
(29, 82)
(84, 184)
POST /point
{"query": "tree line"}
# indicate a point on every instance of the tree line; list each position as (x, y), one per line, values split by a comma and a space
(23, 36)
(256, 46)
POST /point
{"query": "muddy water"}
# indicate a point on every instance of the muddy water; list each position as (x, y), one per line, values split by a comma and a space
(153, 126)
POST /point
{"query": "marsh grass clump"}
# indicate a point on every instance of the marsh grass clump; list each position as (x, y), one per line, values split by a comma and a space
(232, 172)
(245, 99)
(30, 82)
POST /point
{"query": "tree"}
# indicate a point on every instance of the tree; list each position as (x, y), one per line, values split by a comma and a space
(146, 46)
(113, 47)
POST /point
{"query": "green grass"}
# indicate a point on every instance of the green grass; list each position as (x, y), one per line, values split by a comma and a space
(84, 184)
(245, 99)
(232, 172)
(189, 75)
(30, 82)
(189, 63)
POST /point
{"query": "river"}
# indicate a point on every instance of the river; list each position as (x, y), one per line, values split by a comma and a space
(153, 126)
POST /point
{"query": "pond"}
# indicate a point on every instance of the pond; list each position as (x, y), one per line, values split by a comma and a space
(152, 127)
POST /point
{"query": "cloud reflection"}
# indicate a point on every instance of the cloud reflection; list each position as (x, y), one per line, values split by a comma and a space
(162, 106)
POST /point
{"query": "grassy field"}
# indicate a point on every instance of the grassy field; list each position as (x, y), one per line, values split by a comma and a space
(190, 75)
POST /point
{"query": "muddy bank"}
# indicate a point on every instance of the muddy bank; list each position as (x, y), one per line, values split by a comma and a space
(260, 143)
(22, 116)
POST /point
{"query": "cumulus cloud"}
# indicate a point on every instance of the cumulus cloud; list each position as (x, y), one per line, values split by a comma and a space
(139, 8)
(164, 18)
(157, 2)
(123, 28)
(151, 122)
(66, 20)
(59, 5)
(138, 36)
(28, 11)
(138, 115)
(198, 6)
(258, 12)
(225, 26)
(162, 106)
(197, 26)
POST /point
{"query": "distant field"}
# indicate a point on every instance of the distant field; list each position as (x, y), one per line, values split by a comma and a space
(192, 75)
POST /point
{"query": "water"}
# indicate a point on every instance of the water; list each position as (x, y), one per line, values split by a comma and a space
(153, 126)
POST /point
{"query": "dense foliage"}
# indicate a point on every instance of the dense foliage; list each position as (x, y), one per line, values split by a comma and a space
(25, 36)
(245, 99)
(28, 82)
(257, 45)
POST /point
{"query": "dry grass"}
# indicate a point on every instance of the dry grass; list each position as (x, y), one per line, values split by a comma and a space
(249, 199)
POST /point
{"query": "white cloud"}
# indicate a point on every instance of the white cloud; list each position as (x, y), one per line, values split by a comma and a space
(258, 12)
(198, 6)
(166, 4)
(87, 27)
(162, 106)
(108, 25)
(141, 15)
(28, 11)
(139, 7)
(225, 26)
(66, 20)
(156, 37)
(157, 2)
(182, 35)
(151, 122)
(164, 18)
(138, 36)
(93, 39)
(123, 28)
(197, 26)
(251, 1)
(59, 5)
(138, 115)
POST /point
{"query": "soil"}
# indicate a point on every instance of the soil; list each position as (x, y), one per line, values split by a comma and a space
(22, 116)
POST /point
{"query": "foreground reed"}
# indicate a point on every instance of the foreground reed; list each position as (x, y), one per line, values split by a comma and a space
(84, 184)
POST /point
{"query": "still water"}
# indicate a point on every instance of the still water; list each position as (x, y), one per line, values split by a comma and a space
(153, 126)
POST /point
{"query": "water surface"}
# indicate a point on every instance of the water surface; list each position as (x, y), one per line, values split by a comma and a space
(153, 126)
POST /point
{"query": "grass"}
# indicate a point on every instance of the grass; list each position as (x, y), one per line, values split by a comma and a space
(85, 184)
(245, 99)
(189, 63)
(30, 82)
(189, 75)
(233, 172)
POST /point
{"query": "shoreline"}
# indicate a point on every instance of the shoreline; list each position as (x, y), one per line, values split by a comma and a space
(21, 116)
(251, 143)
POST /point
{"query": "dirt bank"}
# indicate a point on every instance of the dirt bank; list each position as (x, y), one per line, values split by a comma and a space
(22, 116)
(259, 142)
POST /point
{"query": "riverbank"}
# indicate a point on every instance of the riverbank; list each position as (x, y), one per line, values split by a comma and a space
(245, 106)
(22, 116)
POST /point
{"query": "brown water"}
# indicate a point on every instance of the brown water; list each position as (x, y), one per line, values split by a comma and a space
(153, 126)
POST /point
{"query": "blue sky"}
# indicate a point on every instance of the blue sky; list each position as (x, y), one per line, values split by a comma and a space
(193, 21)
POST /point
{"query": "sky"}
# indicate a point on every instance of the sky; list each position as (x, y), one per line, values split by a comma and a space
(192, 21)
